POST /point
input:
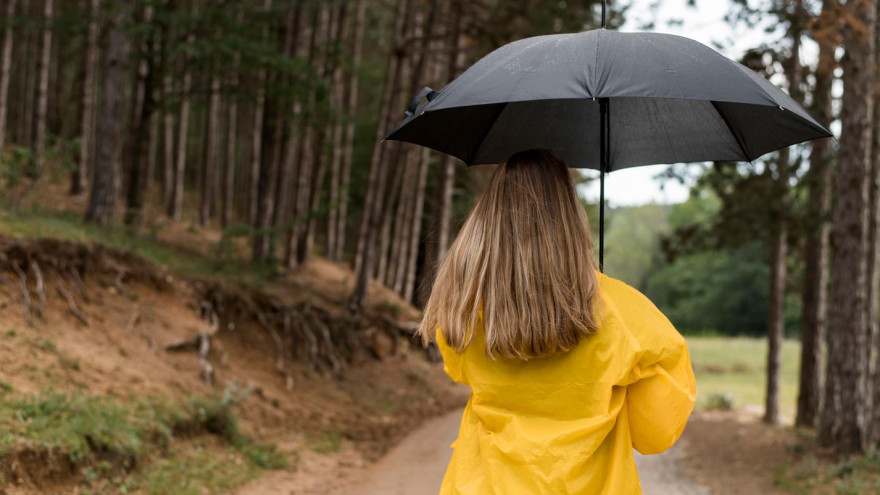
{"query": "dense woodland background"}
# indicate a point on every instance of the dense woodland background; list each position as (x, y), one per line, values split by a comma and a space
(264, 118)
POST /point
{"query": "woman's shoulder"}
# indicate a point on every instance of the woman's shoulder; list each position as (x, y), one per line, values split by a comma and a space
(620, 293)
(640, 316)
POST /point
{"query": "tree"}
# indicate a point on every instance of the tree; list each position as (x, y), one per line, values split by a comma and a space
(102, 201)
(842, 423)
(5, 64)
(44, 61)
(818, 181)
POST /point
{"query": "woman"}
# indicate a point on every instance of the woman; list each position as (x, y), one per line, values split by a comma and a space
(569, 369)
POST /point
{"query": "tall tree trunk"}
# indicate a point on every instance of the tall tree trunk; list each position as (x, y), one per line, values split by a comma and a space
(842, 422)
(818, 179)
(175, 207)
(167, 140)
(5, 64)
(231, 149)
(211, 152)
(319, 167)
(297, 46)
(152, 143)
(270, 141)
(872, 387)
(416, 229)
(338, 150)
(140, 128)
(376, 175)
(348, 157)
(779, 239)
(366, 253)
(102, 201)
(26, 134)
(442, 214)
(776, 309)
(45, 61)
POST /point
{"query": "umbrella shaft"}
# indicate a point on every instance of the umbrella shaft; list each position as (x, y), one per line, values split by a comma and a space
(603, 14)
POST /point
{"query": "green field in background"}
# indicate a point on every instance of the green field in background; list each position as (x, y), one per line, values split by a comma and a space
(737, 366)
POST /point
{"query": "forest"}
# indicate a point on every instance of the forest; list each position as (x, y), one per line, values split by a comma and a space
(263, 121)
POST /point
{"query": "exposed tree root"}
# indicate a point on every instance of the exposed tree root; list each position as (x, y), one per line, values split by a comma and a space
(71, 304)
(312, 331)
(25, 293)
(41, 289)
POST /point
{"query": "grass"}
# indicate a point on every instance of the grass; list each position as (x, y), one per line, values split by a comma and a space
(43, 223)
(735, 368)
(110, 437)
(847, 476)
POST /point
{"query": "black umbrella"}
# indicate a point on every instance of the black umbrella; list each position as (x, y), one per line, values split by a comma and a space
(608, 100)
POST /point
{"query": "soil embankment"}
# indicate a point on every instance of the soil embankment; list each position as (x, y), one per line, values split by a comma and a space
(93, 322)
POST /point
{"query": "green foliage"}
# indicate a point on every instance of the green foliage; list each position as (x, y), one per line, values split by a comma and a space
(81, 425)
(719, 401)
(98, 431)
(632, 243)
(723, 290)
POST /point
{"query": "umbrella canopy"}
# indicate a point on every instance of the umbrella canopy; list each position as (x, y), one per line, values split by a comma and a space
(670, 100)
(608, 100)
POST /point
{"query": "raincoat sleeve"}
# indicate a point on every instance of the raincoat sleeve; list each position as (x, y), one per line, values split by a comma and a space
(662, 388)
(452, 361)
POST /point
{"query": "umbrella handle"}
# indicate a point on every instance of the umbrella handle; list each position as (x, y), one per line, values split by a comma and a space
(426, 92)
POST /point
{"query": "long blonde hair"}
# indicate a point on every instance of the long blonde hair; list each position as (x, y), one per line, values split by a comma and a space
(524, 257)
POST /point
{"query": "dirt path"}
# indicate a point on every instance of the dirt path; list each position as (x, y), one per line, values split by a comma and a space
(416, 466)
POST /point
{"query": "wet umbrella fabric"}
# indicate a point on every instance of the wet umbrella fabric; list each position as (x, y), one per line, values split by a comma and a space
(607, 100)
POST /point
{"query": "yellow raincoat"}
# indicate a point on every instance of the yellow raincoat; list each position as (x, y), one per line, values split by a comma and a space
(568, 424)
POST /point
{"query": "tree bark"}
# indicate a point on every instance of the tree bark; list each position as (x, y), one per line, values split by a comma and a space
(5, 65)
(345, 174)
(45, 61)
(231, 148)
(818, 180)
(416, 229)
(338, 150)
(211, 152)
(842, 422)
(102, 201)
(141, 118)
(175, 206)
(376, 188)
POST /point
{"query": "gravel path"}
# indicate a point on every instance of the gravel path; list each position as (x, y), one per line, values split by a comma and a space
(416, 466)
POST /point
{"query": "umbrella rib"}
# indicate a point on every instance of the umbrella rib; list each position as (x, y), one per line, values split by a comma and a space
(742, 145)
(482, 139)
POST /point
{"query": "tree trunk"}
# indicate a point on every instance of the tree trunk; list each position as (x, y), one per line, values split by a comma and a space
(370, 223)
(211, 152)
(167, 141)
(872, 387)
(375, 176)
(297, 46)
(776, 309)
(231, 153)
(815, 292)
(5, 65)
(45, 61)
(338, 102)
(152, 143)
(416, 229)
(345, 174)
(257, 138)
(175, 207)
(141, 118)
(842, 422)
(102, 201)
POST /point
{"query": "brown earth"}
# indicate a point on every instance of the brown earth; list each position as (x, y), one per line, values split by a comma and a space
(110, 340)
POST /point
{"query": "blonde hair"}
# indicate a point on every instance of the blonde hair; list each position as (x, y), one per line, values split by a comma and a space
(524, 258)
